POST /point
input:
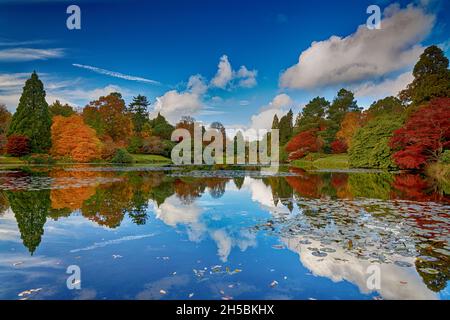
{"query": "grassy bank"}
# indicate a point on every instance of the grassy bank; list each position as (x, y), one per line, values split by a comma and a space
(441, 173)
(150, 158)
(10, 160)
(322, 161)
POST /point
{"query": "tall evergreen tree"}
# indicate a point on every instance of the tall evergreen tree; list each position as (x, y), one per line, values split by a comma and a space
(275, 122)
(138, 109)
(343, 103)
(32, 118)
(312, 115)
(286, 127)
(431, 78)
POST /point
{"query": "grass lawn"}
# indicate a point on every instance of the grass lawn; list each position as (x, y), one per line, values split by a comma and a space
(150, 158)
(323, 161)
(10, 160)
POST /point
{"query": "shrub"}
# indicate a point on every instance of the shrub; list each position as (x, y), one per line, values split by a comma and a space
(39, 158)
(135, 144)
(122, 156)
(339, 146)
(424, 136)
(18, 145)
(445, 157)
(370, 145)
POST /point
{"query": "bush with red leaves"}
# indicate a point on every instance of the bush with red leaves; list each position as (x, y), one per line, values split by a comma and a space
(339, 146)
(304, 143)
(18, 145)
(424, 137)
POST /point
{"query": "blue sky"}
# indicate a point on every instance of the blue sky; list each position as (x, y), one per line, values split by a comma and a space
(232, 61)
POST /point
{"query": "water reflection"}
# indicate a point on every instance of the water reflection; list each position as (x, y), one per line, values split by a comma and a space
(337, 223)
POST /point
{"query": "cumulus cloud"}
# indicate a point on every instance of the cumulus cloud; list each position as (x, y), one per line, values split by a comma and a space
(226, 76)
(174, 104)
(29, 54)
(388, 87)
(115, 74)
(278, 106)
(365, 54)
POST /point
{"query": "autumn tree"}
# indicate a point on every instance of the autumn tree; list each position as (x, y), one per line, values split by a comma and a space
(108, 116)
(73, 138)
(339, 146)
(304, 143)
(431, 78)
(18, 145)
(59, 109)
(424, 137)
(351, 122)
(32, 118)
(5, 121)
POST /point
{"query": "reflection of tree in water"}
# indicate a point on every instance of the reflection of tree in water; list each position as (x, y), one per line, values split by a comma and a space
(305, 184)
(371, 185)
(30, 209)
(433, 267)
(216, 187)
(281, 191)
(109, 204)
(238, 182)
(4, 204)
(416, 188)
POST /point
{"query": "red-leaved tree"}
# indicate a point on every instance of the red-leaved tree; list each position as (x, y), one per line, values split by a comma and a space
(339, 146)
(424, 137)
(304, 143)
(18, 145)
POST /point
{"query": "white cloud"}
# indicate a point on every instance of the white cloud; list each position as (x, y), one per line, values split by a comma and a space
(365, 54)
(247, 77)
(388, 87)
(29, 54)
(174, 104)
(224, 73)
(115, 74)
(278, 106)
(226, 76)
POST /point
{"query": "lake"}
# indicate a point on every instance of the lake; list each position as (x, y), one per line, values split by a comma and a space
(182, 233)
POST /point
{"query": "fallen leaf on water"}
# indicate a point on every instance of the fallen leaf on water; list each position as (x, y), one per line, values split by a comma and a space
(17, 263)
(274, 283)
(28, 292)
(227, 298)
(116, 256)
(163, 291)
(191, 295)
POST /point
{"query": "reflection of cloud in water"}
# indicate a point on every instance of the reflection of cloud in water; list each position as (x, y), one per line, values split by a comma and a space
(225, 242)
(175, 212)
(262, 194)
(8, 230)
(396, 282)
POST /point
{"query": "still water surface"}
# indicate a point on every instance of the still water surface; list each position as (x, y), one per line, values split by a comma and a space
(147, 233)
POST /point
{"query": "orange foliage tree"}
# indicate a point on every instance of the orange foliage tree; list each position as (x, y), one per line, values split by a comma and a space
(71, 137)
(109, 117)
(352, 121)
